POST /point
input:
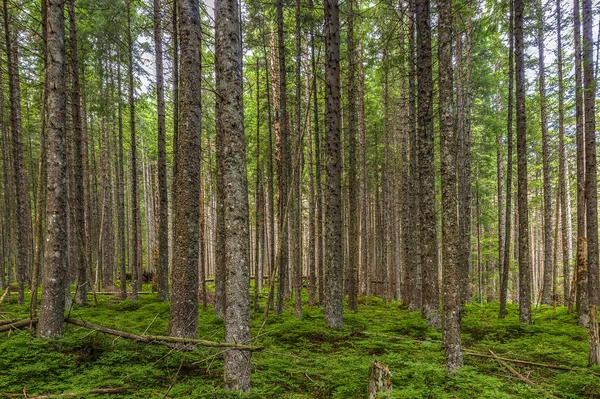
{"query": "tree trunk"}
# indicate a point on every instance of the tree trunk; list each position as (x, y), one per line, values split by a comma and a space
(21, 183)
(230, 133)
(450, 236)
(427, 218)
(55, 272)
(524, 261)
(334, 310)
(563, 180)
(591, 183)
(283, 164)
(582, 268)
(548, 244)
(504, 268)
(162, 270)
(183, 320)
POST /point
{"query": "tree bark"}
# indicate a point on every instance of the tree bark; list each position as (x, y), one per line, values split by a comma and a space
(183, 320)
(162, 270)
(21, 183)
(548, 244)
(230, 133)
(55, 258)
(450, 255)
(352, 183)
(524, 261)
(427, 216)
(334, 310)
(582, 267)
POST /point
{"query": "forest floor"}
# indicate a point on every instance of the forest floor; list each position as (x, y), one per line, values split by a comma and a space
(301, 358)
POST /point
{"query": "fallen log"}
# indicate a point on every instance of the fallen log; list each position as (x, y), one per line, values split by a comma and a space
(528, 363)
(100, 391)
(20, 323)
(161, 339)
(8, 321)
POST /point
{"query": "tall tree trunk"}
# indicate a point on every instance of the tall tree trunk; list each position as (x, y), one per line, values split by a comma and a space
(259, 200)
(524, 261)
(591, 182)
(582, 266)
(296, 208)
(230, 134)
(548, 244)
(135, 260)
(501, 201)
(504, 268)
(362, 133)
(55, 273)
(162, 270)
(563, 180)
(183, 320)
(121, 188)
(78, 206)
(352, 183)
(21, 183)
(450, 255)
(334, 310)
(427, 217)
(283, 164)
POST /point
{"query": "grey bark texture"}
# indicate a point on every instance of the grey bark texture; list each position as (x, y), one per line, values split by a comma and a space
(183, 320)
(51, 321)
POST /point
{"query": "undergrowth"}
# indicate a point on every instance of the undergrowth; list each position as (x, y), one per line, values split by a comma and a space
(302, 358)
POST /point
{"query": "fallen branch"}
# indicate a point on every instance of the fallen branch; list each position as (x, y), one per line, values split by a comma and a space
(18, 324)
(8, 321)
(162, 340)
(520, 376)
(115, 293)
(5, 294)
(545, 365)
(101, 391)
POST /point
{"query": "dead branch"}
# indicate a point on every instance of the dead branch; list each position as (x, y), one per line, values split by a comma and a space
(100, 391)
(5, 294)
(162, 340)
(545, 365)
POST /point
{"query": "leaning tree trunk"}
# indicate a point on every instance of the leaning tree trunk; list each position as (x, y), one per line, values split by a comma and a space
(524, 262)
(55, 258)
(334, 310)
(183, 320)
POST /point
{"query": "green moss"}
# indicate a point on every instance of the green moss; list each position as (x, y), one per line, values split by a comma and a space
(302, 358)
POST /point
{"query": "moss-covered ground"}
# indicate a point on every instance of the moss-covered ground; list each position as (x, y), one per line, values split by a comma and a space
(302, 358)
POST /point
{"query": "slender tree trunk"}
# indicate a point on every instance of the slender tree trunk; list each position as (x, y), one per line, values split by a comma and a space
(562, 173)
(582, 266)
(259, 198)
(504, 271)
(183, 320)
(283, 164)
(352, 183)
(450, 255)
(121, 188)
(334, 310)
(162, 270)
(524, 261)
(55, 272)
(548, 244)
(427, 217)
(21, 183)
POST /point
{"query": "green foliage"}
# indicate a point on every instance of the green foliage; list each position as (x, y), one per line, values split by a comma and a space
(302, 358)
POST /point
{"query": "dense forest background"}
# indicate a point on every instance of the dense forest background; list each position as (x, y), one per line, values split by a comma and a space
(261, 156)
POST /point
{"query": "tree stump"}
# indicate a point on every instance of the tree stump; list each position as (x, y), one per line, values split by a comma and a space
(379, 379)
